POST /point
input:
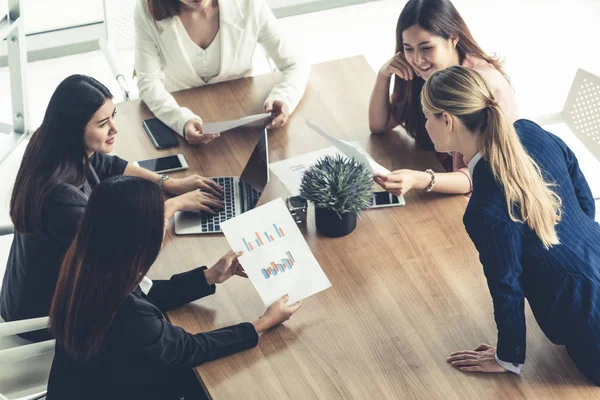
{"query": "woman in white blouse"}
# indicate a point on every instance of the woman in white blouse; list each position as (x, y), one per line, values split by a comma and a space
(188, 43)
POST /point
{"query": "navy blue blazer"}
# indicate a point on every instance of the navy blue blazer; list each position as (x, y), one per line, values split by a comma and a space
(562, 284)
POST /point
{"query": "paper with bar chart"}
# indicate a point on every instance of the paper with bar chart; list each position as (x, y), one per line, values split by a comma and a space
(276, 257)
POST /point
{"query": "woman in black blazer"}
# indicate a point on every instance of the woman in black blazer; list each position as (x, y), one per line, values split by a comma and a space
(64, 160)
(112, 341)
(531, 217)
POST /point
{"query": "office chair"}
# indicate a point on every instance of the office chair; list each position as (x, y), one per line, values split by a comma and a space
(24, 366)
(119, 43)
(578, 125)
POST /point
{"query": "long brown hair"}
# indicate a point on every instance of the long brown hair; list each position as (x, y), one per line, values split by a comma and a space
(56, 152)
(163, 9)
(464, 94)
(440, 18)
(118, 239)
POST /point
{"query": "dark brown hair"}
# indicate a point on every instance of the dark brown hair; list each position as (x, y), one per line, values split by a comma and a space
(440, 18)
(56, 152)
(163, 9)
(118, 239)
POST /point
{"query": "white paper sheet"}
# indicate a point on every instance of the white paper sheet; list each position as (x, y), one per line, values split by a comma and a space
(290, 171)
(222, 126)
(352, 149)
(276, 257)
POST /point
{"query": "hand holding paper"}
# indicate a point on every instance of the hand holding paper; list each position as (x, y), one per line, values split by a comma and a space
(352, 150)
(222, 126)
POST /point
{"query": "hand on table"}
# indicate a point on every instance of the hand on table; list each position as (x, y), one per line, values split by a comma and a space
(482, 359)
(192, 132)
(276, 314)
(225, 268)
(192, 182)
(401, 181)
(279, 112)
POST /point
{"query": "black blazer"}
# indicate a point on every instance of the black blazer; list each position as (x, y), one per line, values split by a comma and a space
(143, 353)
(562, 284)
(34, 260)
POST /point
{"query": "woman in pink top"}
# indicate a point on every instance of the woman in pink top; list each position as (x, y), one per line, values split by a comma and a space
(430, 36)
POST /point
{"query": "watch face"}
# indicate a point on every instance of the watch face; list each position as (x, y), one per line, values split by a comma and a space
(297, 202)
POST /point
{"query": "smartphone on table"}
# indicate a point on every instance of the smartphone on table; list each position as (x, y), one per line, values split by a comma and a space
(385, 199)
(162, 136)
(176, 162)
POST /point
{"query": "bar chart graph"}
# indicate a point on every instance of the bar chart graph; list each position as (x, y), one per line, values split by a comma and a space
(260, 239)
(276, 268)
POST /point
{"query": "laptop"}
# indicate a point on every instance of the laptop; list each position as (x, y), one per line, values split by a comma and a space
(241, 193)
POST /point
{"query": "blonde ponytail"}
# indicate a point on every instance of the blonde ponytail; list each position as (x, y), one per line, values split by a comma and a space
(464, 94)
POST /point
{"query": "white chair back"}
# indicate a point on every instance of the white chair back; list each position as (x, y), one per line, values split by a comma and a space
(582, 110)
(118, 21)
(24, 366)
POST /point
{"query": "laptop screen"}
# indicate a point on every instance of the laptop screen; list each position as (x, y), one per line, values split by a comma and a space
(256, 172)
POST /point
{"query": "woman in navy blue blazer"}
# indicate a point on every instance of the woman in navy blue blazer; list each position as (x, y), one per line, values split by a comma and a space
(531, 217)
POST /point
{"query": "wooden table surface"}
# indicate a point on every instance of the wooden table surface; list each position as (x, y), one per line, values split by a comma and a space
(407, 286)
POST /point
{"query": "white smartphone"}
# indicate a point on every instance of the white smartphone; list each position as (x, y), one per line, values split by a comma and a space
(385, 199)
(160, 165)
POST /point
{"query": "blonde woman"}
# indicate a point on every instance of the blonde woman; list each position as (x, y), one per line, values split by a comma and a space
(182, 44)
(531, 217)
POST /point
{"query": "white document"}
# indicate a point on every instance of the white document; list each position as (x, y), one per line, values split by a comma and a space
(291, 171)
(276, 257)
(351, 149)
(222, 126)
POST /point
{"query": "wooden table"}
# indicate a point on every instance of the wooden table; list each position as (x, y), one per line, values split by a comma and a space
(407, 286)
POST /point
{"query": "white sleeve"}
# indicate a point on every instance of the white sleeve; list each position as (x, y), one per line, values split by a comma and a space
(515, 368)
(150, 76)
(146, 284)
(290, 88)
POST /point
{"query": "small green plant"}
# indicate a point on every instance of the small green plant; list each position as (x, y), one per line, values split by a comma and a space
(338, 183)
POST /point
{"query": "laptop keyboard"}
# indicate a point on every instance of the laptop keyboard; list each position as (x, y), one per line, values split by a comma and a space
(212, 222)
(250, 197)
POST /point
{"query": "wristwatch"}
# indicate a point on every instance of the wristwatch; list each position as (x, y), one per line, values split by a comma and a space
(161, 180)
(297, 206)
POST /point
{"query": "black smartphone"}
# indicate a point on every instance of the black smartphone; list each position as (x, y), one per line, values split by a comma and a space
(161, 135)
(176, 162)
(385, 199)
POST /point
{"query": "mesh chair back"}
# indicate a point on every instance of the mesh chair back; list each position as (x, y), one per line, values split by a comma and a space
(118, 20)
(582, 110)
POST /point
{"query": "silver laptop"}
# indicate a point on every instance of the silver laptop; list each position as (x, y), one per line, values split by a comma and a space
(241, 193)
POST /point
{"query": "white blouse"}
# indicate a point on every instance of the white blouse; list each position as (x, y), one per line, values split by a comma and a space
(206, 62)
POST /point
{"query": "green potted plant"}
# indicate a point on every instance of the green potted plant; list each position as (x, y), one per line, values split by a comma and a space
(340, 188)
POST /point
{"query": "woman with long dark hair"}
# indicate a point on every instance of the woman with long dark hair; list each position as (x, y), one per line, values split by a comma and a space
(430, 36)
(64, 160)
(112, 341)
(531, 217)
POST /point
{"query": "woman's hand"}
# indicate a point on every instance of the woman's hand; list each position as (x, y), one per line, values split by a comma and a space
(401, 181)
(399, 66)
(192, 201)
(192, 182)
(279, 112)
(225, 268)
(192, 132)
(277, 313)
(482, 359)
